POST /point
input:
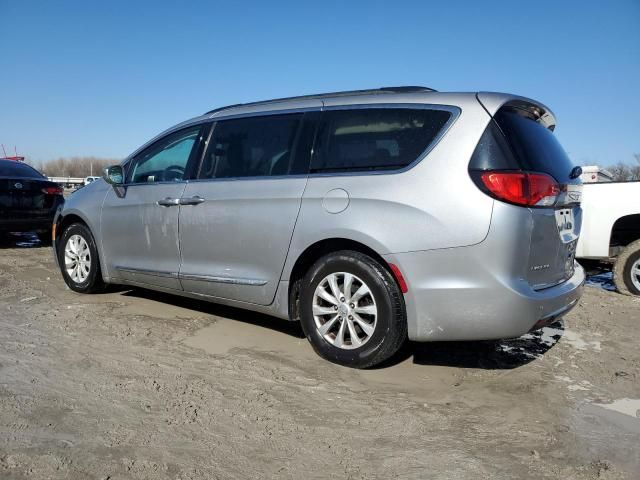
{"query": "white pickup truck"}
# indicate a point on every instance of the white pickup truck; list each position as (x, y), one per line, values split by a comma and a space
(611, 231)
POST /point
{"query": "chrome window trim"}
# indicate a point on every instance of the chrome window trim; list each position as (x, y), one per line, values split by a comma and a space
(152, 183)
(283, 111)
(237, 179)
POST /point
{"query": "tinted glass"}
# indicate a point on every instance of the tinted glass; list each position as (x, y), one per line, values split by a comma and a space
(375, 138)
(517, 142)
(167, 159)
(252, 147)
(493, 151)
(11, 168)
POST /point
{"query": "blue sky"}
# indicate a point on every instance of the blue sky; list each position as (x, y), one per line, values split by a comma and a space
(100, 78)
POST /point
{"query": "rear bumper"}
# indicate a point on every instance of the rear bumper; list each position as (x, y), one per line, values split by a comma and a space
(25, 224)
(454, 295)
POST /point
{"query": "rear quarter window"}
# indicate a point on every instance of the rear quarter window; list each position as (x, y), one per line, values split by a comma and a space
(367, 139)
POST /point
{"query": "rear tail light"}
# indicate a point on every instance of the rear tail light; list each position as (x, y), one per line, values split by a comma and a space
(53, 190)
(521, 188)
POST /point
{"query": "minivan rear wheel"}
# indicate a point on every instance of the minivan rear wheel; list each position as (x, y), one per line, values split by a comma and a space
(352, 310)
(78, 260)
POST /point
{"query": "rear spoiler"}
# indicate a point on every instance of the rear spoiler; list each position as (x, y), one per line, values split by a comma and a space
(492, 102)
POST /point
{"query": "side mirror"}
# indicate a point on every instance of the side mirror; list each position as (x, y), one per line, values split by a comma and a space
(114, 175)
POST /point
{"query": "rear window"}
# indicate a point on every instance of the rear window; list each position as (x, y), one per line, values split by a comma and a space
(375, 138)
(11, 168)
(515, 141)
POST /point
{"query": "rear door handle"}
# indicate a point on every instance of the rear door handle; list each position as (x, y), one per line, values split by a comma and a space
(169, 202)
(195, 200)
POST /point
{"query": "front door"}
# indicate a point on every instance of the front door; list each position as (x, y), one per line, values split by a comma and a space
(139, 220)
(238, 216)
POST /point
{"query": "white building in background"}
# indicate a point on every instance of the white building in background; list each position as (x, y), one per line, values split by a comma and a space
(595, 174)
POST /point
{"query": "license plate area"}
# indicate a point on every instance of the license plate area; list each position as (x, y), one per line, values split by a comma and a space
(565, 222)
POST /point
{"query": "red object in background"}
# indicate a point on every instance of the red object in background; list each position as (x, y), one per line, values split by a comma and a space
(15, 158)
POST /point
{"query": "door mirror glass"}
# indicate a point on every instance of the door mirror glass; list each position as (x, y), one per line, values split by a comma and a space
(114, 175)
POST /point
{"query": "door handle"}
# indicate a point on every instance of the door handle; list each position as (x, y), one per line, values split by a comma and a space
(195, 200)
(169, 202)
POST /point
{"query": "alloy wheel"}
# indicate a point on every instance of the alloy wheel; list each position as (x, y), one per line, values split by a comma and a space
(77, 258)
(344, 310)
(635, 274)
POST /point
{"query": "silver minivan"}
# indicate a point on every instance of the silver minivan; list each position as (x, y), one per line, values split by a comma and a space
(369, 216)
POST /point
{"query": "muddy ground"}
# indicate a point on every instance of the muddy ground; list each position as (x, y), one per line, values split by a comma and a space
(134, 384)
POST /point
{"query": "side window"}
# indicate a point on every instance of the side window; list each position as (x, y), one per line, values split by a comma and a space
(166, 160)
(368, 139)
(253, 147)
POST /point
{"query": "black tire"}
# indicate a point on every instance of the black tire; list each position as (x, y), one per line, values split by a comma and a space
(622, 269)
(93, 282)
(391, 325)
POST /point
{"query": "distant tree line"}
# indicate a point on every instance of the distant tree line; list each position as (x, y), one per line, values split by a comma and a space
(623, 172)
(74, 166)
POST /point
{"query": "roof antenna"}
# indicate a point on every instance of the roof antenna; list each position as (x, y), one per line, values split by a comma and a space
(5, 152)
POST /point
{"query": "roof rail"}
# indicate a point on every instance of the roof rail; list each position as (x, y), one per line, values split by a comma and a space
(372, 91)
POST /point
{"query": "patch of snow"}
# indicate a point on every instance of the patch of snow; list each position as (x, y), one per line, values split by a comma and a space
(626, 406)
(574, 387)
(576, 341)
(583, 385)
(550, 336)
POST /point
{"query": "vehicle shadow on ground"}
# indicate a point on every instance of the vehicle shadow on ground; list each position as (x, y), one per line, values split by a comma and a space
(21, 240)
(489, 355)
(253, 318)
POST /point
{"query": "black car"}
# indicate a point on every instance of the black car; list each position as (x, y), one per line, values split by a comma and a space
(28, 200)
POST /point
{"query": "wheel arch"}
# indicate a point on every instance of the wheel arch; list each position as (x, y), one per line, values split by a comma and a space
(70, 219)
(65, 220)
(625, 230)
(317, 250)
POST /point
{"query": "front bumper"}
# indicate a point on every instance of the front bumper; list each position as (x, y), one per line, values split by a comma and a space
(452, 296)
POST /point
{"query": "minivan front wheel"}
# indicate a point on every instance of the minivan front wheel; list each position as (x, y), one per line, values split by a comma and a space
(352, 310)
(78, 260)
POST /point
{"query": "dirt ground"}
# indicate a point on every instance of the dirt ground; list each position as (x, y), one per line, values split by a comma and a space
(135, 384)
